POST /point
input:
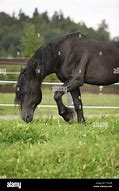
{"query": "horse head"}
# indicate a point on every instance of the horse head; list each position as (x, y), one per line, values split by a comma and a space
(28, 93)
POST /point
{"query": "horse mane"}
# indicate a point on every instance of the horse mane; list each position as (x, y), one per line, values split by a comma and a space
(20, 82)
(29, 71)
(74, 34)
(66, 36)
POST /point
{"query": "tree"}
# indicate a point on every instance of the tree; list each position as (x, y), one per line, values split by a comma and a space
(45, 17)
(31, 40)
(103, 26)
(35, 13)
(103, 31)
(23, 17)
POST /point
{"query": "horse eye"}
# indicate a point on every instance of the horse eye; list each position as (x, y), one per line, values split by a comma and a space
(22, 93)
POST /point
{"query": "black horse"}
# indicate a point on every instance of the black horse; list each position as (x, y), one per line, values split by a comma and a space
(75, 59)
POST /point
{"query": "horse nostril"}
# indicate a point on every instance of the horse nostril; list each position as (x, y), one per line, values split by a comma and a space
(28, 119)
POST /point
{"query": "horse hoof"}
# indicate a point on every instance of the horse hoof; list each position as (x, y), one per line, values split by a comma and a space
(69, 115)
(82, 121)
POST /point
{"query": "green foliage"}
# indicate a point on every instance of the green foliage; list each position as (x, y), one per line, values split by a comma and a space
(50, 148)
(103, 31)
(12, 30)
(31, 40)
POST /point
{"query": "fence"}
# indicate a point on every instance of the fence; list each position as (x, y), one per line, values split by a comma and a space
(54, 106)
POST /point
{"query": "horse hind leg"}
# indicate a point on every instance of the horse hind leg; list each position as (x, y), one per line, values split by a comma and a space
(76, 96)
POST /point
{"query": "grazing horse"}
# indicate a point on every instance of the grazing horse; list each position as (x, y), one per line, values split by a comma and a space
(75, 59)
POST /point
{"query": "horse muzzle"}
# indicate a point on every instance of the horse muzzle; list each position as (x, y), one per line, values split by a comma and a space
(27, 117)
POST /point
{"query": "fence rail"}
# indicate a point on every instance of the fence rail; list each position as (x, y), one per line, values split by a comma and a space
(45, 83)
(54, 106)
(13, 61)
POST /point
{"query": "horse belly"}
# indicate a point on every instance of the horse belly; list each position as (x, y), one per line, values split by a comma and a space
(102, 71)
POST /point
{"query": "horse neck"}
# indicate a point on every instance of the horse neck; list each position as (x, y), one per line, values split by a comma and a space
(50, 55)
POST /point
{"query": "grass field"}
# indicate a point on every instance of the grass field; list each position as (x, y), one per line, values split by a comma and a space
(53, 149)
(50, 148)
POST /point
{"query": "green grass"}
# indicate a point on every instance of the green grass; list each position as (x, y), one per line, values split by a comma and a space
(53, 149)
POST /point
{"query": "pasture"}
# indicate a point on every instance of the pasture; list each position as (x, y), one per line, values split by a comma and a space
(48, 147)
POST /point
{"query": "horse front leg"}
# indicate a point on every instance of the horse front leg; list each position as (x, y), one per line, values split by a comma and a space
(76, 96)
(71, 86)
(65, 112)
